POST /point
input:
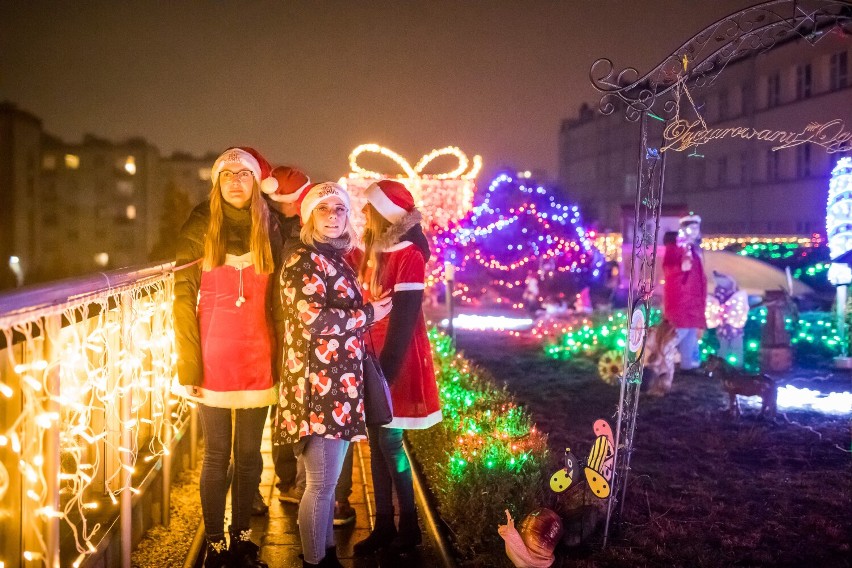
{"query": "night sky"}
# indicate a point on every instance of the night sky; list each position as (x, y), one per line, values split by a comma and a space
(306, 82)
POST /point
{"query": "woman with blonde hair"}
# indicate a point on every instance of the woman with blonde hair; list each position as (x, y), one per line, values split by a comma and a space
(223, 325)
(321, 399)
(394, 261)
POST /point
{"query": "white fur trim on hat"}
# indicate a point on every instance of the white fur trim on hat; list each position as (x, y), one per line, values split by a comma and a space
(236, 156)
(319, 193)
(383, 204)
(288, 197)
(690, 219)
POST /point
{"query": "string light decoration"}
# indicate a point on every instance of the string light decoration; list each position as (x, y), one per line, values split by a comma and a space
(102, 386)
(838, 220)
(441, 197)
(489, 431)
(518, 230)
(760, 246)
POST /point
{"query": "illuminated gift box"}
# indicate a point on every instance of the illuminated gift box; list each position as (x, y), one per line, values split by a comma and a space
(441, 198)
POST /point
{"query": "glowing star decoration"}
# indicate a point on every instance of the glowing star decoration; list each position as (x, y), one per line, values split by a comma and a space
(838, 220)
(599, 466)
(441, 197)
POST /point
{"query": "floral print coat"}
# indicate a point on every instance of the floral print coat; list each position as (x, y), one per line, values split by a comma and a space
(321, 391)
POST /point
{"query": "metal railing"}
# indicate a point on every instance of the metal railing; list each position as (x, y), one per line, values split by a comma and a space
(86, 411)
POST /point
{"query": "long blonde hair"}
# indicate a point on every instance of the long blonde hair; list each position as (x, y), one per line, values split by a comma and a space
(376, 227)
(259, 245)
(308, 233)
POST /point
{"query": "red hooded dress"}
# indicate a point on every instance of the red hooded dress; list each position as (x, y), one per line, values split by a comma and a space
(400, 340)
(685, 292)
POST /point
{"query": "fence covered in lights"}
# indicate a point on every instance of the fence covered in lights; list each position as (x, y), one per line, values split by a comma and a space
(85, 409)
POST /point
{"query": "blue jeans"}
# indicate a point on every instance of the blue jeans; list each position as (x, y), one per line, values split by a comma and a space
(391, 470)
(323, 459)
(247, 432)
(687, 345)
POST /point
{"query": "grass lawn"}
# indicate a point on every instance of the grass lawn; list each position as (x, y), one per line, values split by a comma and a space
(705, 489)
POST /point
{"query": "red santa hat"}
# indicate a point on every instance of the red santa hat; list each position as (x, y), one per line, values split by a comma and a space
(250, 159)
(292, 183)
(320, 192)
(391, 199)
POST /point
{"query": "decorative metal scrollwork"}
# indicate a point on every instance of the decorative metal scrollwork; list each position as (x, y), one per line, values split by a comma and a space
(695, 65)
(701, 59)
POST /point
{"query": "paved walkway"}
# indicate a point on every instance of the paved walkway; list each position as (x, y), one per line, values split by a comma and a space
(278, 533)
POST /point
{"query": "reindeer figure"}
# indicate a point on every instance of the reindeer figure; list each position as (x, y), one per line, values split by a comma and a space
(737, 382)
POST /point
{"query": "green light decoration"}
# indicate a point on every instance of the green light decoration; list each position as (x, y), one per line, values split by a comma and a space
(483, 426)
(813, 335)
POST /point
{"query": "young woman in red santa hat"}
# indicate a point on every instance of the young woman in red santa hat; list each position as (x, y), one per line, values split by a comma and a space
(223, 324)
(321, 399)
(394, 261)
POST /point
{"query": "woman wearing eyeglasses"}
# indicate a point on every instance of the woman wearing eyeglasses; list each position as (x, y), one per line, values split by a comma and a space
(223, 325)
(321, 403)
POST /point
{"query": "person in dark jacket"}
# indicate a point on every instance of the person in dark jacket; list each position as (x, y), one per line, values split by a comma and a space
(292, 184)
(321, 398)
(225, 341)
(394, 261)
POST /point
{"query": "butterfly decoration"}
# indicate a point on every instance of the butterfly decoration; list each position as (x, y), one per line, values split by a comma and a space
(598, 467)
(562, 479)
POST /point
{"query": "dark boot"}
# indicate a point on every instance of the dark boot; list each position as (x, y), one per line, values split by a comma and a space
(245, 553)
(408, 536)
(382, 535)
(330, 559)
(217, 554)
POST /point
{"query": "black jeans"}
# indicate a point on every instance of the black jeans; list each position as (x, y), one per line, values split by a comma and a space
(391, 470)
(247, 432)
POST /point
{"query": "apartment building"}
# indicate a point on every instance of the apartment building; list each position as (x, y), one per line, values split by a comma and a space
(737, 186)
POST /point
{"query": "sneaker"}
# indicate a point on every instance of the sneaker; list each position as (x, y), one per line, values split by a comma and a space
(292, 495)
(259, 506)
(344, 514)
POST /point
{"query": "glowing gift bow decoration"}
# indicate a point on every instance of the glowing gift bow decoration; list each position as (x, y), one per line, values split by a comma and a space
(441, 198)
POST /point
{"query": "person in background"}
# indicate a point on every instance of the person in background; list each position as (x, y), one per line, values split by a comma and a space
(292, 184)
(685, 289)
(321, 397)
(394, 261)
(223, 326)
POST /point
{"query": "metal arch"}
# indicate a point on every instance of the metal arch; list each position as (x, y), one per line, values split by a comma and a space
(700, 60)
(696, 63)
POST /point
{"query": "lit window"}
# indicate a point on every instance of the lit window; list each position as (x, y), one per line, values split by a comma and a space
(131, 211)
(48, 162)
(102, 259)
(72, 162)
(130, 165)
(204, 174)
